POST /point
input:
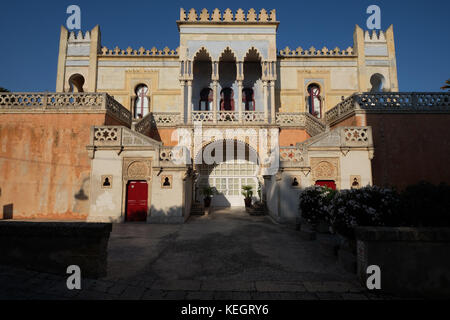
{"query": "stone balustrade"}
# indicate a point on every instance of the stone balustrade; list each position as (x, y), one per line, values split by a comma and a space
(118, 136)
(418, 102)
(62, 102)
(216, 16)
(313, 52)
(141, 52)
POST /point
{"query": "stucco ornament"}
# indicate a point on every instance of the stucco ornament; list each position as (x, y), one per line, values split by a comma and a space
(137, 169)
(324, 170)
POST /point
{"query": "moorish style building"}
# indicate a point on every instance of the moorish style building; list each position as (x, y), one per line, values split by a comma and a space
(129, 133)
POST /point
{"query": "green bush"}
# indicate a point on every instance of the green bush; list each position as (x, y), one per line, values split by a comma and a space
(368, 206)
(315, 204)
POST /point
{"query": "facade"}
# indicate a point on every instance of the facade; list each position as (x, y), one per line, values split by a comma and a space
(122, 119)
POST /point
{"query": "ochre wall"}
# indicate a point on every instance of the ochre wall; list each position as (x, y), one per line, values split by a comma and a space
(408, 147)
(290, 137)
(44, 164)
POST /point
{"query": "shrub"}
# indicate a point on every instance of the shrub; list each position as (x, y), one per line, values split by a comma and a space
(315, 204)
(368, 206)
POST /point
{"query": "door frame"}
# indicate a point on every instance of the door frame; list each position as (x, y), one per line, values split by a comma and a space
(126, 199)
(129, 175)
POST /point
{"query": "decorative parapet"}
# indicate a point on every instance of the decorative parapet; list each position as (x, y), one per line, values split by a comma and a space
(27, 102)
(305, 120)
(374, 36)
(313, 52)
(342, 138)
(216, 16)
(158, 119)
(118, 137)
(393, 102)
(356, 136)
(141, 52)
(79, 37)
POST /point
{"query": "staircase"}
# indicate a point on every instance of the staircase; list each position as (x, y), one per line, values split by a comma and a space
(257, 209)
(197, 209)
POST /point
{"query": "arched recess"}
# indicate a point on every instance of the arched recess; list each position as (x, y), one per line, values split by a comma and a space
(202, 72)
(239, 166)
(227, 80)
(252, 97)
(141, 100)
(76, 83)
(377, 82)
(314, 99)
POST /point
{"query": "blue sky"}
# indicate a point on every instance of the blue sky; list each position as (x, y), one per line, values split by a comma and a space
(30, 33)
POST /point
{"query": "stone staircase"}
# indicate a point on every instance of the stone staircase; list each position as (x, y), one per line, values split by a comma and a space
(257, 209)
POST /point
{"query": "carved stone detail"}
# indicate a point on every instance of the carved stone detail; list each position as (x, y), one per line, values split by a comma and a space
(137, 169)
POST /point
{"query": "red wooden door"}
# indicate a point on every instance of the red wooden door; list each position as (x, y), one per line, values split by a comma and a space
(326, 183)
(137, 195)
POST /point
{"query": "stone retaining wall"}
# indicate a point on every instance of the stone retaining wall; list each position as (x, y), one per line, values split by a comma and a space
(53, 246)
(414, 262)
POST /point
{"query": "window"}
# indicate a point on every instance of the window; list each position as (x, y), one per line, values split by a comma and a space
(377, 82)
(248, 99)
(227, 99)
(76, 82)
(206, 99)
(314, 100)
(141, 108)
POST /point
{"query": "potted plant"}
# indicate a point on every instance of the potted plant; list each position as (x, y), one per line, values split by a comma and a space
(208, 193)
(248, 194)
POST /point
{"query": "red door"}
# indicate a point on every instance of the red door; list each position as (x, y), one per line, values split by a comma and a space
(137, 195)
(326, 183)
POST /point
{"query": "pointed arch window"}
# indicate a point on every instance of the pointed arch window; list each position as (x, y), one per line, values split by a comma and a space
(314, 100)
(141, 104)
(227, 99)
(206, 99)
(248, 99)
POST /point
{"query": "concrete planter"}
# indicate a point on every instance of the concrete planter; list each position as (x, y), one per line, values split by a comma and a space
(414, 262)
(53, 246)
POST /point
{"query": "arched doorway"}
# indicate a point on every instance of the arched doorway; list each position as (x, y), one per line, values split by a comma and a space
(237, 169)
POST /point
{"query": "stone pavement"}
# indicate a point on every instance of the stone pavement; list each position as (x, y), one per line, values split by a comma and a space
(226, 255)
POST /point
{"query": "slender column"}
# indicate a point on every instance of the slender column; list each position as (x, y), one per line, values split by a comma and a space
(241, 118)
(133, 101)
(189, 102)
(215, 82)
(272, 101)
(265, 98)
(183, 102)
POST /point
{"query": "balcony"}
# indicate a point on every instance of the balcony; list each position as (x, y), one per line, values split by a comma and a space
(299, 120)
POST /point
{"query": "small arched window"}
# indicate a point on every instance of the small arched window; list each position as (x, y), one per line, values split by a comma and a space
(227, 99)
(248, 99)
(206, 98)
(377, 82)
(314, 100)
(76, 83)
(141, 104)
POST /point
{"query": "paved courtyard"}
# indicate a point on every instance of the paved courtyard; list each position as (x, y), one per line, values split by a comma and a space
(226, 255)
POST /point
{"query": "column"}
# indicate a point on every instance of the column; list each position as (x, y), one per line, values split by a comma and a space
(183, 102)
(265, 98)
(215, 83)
(272, 102)
(133, 101)
(189, 102)
(241, 118)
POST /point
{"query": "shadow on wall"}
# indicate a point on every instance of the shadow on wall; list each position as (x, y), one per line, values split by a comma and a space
(174, 211)
(81, 197)
(8, 211)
